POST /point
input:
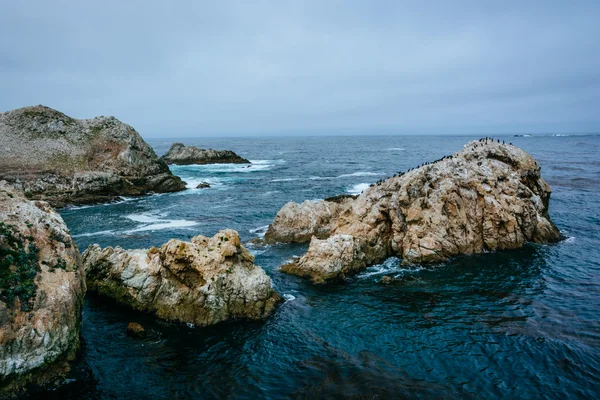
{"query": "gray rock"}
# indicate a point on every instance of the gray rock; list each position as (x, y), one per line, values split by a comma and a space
(181, 154)
(63, 160)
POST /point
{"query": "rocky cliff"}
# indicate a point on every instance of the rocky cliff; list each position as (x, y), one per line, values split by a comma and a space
(42, 285)
(202, 282)
(489, 196)
(63, 160)
(181, 154)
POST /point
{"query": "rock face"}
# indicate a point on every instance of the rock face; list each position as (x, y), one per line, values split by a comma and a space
(489, 196)
(202, 282)
(53, 157)
(181, 154)
(42, 285)
(300, 222)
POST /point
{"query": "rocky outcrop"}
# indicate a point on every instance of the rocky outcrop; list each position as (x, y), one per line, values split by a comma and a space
(300, 222)
(42, 285)
(180, 154)
(202, 282)
(63, 160)
(489, 196)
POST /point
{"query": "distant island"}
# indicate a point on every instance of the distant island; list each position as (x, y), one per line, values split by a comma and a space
(180, 154)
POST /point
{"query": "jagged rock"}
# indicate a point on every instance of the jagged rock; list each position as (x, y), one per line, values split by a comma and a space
(135, 330)
(202, 282)
(63, 160)
(203, 185)
(489, 196)
(42, 285)
(181, 154)
(300, 222)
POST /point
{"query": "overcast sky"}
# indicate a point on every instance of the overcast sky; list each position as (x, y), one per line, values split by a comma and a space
(199, 68)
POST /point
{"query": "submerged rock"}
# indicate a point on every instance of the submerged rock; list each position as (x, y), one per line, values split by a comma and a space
(203, 185)
(135, 330)
(300, 222)
(489, 196)
(42, 285)
(202, 282)
(181, 154)
(63, 160)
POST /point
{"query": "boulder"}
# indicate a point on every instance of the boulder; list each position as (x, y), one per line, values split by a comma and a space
(201, 282)
(42, 285)
(489, 196)
(203, 185)
(63, 160)
(300, 222)
(135, 330)
(181, 154)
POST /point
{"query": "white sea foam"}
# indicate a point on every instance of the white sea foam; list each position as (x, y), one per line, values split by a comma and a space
(360, 173)
(285, 180)
(570, 239)
(320, 178)
(289, 297)
(260, 231)
(389, 266)
(358, 188)
(396, 149)
(155, 223)
(100, 233)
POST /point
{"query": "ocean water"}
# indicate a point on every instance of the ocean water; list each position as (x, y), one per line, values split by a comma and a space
(515, 324)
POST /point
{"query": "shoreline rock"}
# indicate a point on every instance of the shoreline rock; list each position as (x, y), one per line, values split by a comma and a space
(180, 154)
(298, 223)
(42, 285)
(201, 282)
(489, 196)
(51, 156)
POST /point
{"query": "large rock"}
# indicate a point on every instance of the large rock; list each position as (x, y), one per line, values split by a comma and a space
(42, 285)
(202, 282)
(300, 222)
(489, 196)
(63, 160)
(181, 154)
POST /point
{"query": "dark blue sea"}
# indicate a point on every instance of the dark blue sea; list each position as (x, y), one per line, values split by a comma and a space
(521, 324)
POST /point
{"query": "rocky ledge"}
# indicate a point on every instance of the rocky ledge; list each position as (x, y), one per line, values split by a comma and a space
(202, 282)
(300, 222)
(180, 154)
(489, 196)
(42, 285)
(63, 160)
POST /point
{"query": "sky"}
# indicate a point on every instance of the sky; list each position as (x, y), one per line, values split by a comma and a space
(236, 68)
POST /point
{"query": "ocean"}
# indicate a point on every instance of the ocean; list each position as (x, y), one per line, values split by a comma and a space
(514, 324)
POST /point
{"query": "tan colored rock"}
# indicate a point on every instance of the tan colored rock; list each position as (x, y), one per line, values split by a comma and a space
(51, 156)
(42, 285)
(135, 330)
(489, 196)
(202, 282)
(298, 223)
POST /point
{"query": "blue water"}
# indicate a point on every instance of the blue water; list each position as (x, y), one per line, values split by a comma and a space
(515, 324)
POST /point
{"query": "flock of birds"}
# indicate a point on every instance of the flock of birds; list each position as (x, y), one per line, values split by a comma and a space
(483, 140)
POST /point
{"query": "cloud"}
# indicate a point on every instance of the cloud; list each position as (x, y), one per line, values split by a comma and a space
(307, 67)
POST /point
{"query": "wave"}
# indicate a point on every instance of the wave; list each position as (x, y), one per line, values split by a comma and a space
(358, 188)
(396, 149)
(388, 267)
(361, 173)
(155, 223)
(285, 180)
(289, 297)
(100, 233)
(260, 231)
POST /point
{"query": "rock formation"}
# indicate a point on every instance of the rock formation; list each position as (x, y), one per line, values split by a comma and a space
(42, 285)
(489, 196)
(181, 154)
(63, 160)
(202, 282)
(300, 222)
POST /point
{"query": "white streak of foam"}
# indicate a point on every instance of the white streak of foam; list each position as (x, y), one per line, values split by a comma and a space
(358, 188)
